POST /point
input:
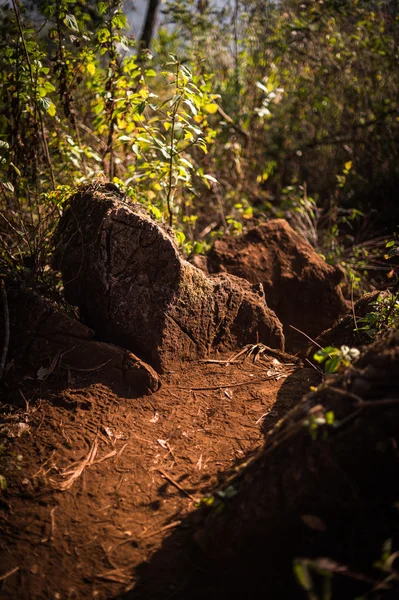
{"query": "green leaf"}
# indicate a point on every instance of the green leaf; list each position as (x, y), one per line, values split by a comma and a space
(103, 35)
(198, 248)
(119, 20)
(301, 572)
(31, 46)
(211, 108)
(165, 153)
(210, 178)
(3, 483)
(330, 417)
(143, 139)
(49, 87)
(191, 106)
(4, 144)
(187, 163)
(333, 364)
(118, 111)
(180, 237)
(321, 355)
(155, 212)
(102, 8)
(44, 103)
(150, 73)
(141, 108)
(51, 109)
(18, 172)
(70, 21)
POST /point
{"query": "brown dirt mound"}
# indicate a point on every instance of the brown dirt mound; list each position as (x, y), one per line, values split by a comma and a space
(125, 274)
(45, 341)
(299, 285)
(316, 488)
(96, 481)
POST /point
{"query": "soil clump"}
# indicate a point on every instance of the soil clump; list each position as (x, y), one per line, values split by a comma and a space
(299, 285)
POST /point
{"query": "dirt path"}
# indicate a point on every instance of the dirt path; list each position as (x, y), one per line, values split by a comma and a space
(103, 480)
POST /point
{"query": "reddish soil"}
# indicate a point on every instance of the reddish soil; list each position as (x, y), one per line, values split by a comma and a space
(97, 482)
(299, 286)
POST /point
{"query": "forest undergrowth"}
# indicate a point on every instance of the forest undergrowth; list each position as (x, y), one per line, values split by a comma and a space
(224, 117)
(235, 115)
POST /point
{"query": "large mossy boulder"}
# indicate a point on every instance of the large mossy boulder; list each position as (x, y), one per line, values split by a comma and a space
(124, 272)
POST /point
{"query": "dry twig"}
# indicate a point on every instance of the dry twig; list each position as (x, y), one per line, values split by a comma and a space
(86, 462)
(307, 336)
(178, 486)
(9, 573)
(118, 575)
(160, 530)
(226, 385)
(250, 350)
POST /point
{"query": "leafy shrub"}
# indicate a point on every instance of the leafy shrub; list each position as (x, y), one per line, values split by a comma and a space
(383, 318)
(77, 104)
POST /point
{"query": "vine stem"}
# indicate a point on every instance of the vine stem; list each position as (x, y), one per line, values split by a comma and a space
(172, 155)
(44, 139)
(63, 94)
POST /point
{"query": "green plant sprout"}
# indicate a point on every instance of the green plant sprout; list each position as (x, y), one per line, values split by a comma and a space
(335, 358)
(315, 576)
(315, 422)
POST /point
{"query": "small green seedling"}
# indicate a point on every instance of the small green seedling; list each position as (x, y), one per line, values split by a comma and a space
(335, 358)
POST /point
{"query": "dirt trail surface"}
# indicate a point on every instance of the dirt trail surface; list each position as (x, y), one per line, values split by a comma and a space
(97, 481)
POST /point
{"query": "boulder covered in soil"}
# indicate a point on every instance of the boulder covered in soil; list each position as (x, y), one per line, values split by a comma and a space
(299, 285)
(124, 272)
(53, 347)
(324, 484)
